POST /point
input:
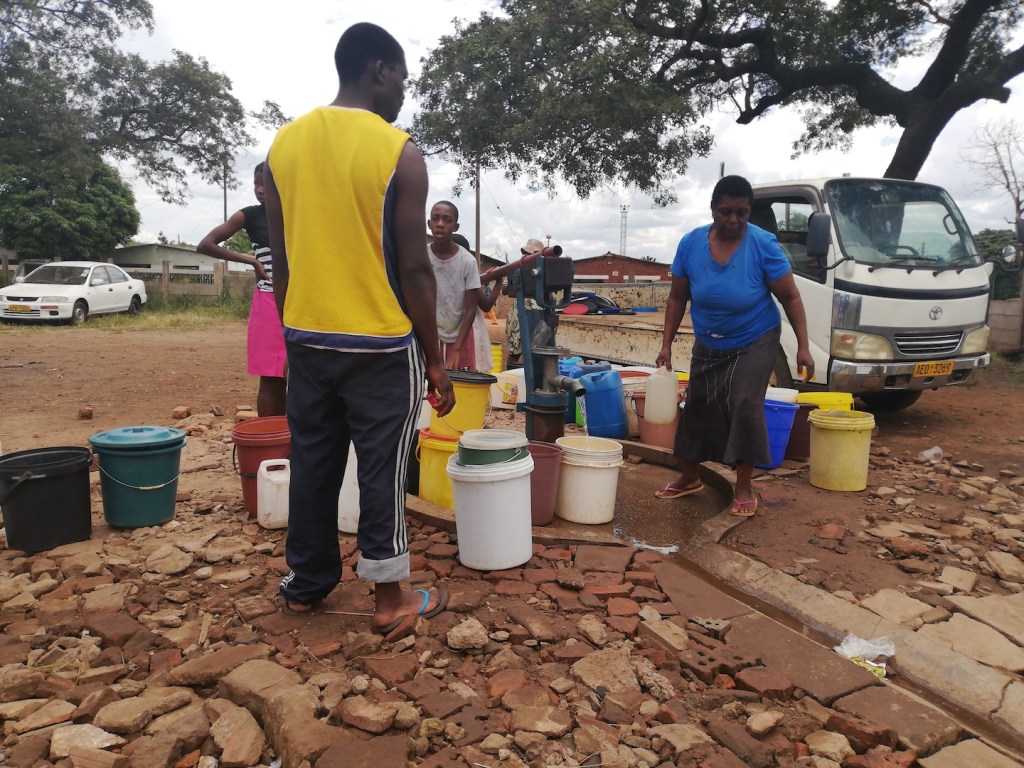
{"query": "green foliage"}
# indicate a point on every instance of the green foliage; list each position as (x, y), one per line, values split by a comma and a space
(598, 90)
(43, 217)
(70, 100)
(239, 242)
(557, 89)
(1005, 285)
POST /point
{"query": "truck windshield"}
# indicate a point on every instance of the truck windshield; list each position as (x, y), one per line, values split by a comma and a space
(888, 222)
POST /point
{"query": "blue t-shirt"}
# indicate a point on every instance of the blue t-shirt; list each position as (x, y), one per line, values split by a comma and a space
(731, 305)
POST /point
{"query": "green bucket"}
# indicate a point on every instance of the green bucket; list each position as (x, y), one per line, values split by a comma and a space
(477, 447)
(139, 468)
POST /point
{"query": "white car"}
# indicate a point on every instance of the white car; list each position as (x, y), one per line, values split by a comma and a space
(70, 291)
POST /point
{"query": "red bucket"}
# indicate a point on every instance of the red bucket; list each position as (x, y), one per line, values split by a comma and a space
(257, 440)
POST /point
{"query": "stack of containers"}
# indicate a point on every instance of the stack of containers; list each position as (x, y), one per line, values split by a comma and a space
(589, 479)
(799, 448)
(572, 367)
(490, 479)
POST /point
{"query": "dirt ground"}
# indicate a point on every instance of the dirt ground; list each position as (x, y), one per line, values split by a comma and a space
(47, 375)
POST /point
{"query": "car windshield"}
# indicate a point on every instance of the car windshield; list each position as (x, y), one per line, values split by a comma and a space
(892, 223)
(56, 274)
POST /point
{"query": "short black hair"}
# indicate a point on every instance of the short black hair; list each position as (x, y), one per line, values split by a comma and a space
(362, 43)
(450, 204)
(258, 168)
(732, 186)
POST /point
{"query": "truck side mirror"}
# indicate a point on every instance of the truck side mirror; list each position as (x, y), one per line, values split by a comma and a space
(819, 236)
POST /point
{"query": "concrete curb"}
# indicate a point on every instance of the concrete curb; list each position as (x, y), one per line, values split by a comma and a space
(986, 693)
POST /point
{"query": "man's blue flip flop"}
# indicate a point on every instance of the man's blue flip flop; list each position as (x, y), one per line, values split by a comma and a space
(406, 623)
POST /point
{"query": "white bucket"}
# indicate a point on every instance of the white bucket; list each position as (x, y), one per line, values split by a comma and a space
(509, 389)
(589, 479)
(348, 499)
(781, 394)
(272, 480)
(492, 513)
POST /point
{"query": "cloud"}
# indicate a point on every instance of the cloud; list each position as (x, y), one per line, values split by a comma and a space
(290, 60)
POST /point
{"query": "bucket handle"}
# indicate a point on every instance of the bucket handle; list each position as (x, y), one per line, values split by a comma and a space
(234, 462)
(26, 475)
(141, 487)
(443, 420)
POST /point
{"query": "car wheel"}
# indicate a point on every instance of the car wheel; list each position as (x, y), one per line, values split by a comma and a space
(894, 400)
(79, 313)
(135, 305)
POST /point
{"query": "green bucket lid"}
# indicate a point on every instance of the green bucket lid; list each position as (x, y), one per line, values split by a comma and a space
(137, 438)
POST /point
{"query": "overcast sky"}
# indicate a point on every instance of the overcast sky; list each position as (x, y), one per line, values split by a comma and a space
(235, 37)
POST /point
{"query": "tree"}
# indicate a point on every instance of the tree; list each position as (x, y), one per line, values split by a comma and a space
(70, 99)
(990, 242)
(85, 220)
(998, 153)
(596, 90)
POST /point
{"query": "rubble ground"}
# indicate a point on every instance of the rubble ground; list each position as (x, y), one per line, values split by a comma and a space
(165, 645)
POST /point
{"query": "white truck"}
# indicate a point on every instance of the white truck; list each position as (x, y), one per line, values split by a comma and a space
(895, 290)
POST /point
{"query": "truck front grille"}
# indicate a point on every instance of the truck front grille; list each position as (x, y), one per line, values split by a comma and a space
(928, 344)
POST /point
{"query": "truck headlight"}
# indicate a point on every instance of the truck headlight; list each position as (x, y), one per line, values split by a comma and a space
(976, 341)
(853, 345)
(54, 300)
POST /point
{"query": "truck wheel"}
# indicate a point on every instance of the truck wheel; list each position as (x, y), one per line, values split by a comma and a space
(895, 400)
(780, 372)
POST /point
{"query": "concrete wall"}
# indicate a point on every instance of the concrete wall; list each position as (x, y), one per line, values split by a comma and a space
(1006, 319)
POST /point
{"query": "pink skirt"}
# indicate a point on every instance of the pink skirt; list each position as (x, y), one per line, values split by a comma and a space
(265, 343)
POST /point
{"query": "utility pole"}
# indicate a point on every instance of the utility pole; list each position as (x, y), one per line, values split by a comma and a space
(622, 229)
(476, 241)
(225, 189)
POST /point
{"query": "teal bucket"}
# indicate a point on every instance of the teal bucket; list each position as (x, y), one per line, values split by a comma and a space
(139, 468)
(779, 418)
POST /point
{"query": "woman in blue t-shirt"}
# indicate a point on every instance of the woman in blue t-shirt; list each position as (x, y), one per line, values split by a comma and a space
(728, 271)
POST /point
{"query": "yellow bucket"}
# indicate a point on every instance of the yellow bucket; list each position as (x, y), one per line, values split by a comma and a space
(495, 357)
(472, 401)
(827, 400)
(840, 445)
(683, 375)
(433, 452)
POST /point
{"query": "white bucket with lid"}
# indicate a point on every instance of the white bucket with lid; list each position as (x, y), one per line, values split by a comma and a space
(492, 513)
(589, 479)
(781, 394)
(272, 480)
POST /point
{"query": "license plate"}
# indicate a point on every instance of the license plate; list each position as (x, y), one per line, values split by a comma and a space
(941, 368)
(18, 308)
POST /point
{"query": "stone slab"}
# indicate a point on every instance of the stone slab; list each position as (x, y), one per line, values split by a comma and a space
(1011, 712)
(1002, 612)
(895, 606)
(693, 596)
(819, 671)
(919, 727)
(976, 640)
(590, 557)
(970, 752)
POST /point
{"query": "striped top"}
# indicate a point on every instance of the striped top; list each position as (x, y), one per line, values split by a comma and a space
(334, 170)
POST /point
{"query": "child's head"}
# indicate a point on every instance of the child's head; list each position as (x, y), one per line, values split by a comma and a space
(443, 221)
(257, 182)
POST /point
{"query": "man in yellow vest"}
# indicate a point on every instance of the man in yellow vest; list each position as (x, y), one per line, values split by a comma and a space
(345, 196)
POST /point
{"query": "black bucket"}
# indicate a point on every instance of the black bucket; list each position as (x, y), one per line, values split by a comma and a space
(44, 494)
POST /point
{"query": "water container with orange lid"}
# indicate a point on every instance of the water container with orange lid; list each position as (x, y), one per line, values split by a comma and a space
(662, 400)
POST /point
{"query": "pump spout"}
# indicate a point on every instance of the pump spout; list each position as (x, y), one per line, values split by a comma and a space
(568, 383)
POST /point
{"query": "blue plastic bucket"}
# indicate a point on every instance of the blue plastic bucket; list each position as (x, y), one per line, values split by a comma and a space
(606, 405)
(779, 419)
(139, 468)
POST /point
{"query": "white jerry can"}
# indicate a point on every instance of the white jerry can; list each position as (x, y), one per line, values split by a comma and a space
(272, 481)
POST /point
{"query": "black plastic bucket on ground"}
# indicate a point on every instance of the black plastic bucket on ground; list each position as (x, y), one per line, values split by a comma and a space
(44, 495)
